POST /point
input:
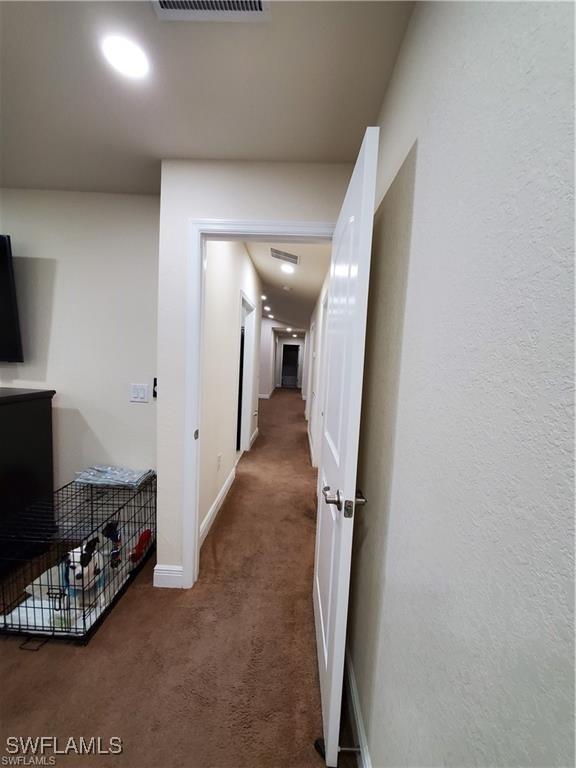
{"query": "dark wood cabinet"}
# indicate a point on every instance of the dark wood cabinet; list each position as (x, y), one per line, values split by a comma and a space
(26, 467)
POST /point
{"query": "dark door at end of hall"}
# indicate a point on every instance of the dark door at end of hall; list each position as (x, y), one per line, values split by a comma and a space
(290, 365)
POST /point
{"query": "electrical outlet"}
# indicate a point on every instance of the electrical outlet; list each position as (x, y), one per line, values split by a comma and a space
(138, 393)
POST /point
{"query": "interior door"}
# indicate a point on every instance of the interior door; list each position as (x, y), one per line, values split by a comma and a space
(344, 362)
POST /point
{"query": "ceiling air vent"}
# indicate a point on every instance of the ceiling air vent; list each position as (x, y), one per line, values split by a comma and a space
(212, 10)
(283, 256)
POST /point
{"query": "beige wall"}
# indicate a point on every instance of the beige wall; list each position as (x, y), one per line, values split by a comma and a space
(229, 271)
(315, 379)
(87, 274)
(267, 356)
(215, 190)
(461, 626)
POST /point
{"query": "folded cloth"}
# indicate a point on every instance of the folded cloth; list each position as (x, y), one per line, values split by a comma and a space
(117, 477)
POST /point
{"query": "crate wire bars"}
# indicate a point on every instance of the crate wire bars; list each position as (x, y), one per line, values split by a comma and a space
(65, 561)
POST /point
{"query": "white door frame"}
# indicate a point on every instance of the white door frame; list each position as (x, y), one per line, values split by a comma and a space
(320, 387)
(247, 415)
(282, 342)
(199, 231)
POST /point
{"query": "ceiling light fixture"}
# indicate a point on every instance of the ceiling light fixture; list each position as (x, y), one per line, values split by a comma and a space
(294, 335)
(125, 56)
(271, 317)
(263, 297)
(288, 268)
(267, 309)
(288, 329)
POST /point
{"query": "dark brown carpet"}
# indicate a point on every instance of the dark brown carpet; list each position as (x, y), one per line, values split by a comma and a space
(220, 676)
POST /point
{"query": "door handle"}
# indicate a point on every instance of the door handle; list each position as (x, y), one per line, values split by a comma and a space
(336, 500)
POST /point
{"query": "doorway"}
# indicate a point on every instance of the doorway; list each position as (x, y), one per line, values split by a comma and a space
(348, 292)
(290, 365)
(240, 387)
(200, 233)
(247, 352)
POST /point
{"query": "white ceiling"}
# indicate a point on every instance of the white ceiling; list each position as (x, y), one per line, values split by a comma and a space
(301, 87)
(295, 306)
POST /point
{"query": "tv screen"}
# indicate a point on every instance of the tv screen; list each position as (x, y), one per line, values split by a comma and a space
(10, 341)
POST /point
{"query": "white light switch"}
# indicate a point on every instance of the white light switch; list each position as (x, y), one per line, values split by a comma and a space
(138, 393)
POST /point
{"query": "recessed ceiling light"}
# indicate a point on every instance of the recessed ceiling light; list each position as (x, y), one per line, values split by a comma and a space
(294, 335)
(125, 56)
(286, 288)
(263, 297)
(267, 309)
(288, 268)
(271, 317)
(288, 329)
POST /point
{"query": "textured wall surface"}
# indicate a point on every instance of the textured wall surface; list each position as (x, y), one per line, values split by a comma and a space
(462, 616)
(87, 279)
(267, 355)
(229, 270)
(215, 190)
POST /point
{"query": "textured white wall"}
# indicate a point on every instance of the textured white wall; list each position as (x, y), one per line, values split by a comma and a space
(229, 270)
(87, 279)
(215, 190)
(315, 379)
(267, 355)
(462, 626)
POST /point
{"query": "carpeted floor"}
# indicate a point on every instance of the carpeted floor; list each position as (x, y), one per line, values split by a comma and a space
(220, 676)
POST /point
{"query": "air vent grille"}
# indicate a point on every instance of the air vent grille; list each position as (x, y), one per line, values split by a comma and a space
(283, 256)
(212, 10)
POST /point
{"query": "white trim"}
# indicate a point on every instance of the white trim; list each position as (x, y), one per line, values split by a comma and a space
(311, 447)
(168, 576)
(198, 232)
(254, 436)
(358, 729)
(208, 521)
(264, 397)
(250, 355)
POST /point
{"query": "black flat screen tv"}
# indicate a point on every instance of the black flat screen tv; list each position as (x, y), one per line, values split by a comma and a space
(10, 340)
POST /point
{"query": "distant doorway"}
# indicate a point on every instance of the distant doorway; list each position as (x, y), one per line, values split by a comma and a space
(240, 388)
(290, 356)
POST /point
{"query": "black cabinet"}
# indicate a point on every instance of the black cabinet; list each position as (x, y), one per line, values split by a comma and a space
(26, 469)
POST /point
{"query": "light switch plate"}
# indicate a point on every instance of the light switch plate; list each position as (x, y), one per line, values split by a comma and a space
(138, 393)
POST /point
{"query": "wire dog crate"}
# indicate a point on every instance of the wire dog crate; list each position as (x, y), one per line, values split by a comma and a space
(64, 562)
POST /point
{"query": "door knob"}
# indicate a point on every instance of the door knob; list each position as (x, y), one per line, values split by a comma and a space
(336, 500)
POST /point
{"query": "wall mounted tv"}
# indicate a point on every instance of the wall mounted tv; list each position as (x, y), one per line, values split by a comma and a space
(10, 341)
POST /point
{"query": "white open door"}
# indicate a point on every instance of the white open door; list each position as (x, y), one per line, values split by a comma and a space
(344, 363)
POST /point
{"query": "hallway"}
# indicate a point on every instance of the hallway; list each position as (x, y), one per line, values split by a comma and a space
(257, 567)
(220, 676)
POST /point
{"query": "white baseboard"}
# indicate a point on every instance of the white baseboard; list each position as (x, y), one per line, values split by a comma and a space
(215, 508)
(170, 576)
(310, 447)
(254, 436)
(359, 731)
(265, 397)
